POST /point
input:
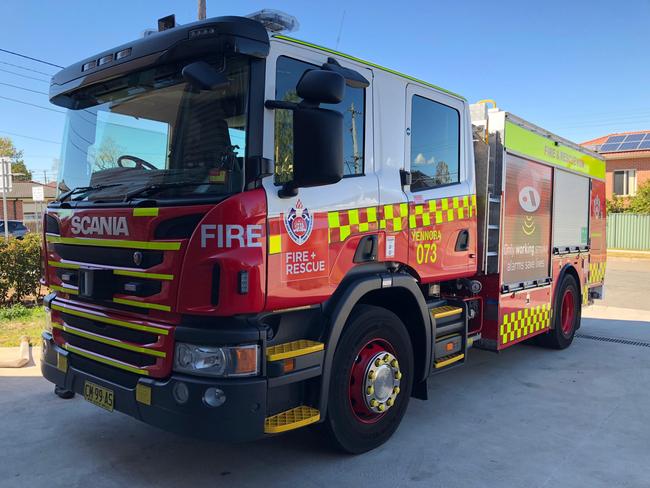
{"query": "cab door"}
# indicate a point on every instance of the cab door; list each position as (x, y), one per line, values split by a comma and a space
(313, 236)
(441, 195)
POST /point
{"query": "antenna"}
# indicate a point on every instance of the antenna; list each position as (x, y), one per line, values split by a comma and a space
(338, 38)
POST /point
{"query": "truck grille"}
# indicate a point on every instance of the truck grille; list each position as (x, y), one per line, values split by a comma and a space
(132, 346)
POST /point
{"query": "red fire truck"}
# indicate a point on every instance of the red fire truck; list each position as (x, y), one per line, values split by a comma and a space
(254, 234)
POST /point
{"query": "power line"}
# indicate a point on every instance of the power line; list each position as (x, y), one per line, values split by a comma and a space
(32, 104)
(25, 68)
(28, 137)
(24, 76)
(21, 88)
(29, 57)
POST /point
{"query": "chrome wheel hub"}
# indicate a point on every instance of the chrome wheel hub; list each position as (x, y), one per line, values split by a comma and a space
(382, 380)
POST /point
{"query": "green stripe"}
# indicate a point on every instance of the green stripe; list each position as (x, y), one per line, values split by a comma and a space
(140, 274)
(71, 291)
(152, 306)
(110, 342)
(145, 212)
(102, 359)
(82, 241)
(57, 264)
(106, 320)
(367, 63)
(535, 146)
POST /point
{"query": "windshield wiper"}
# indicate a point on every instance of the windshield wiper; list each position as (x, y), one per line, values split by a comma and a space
(157, 187)
(84, 190)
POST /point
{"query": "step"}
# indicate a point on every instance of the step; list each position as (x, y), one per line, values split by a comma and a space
(445, 311)
(293, 349)
(291, 419)
(450, 328)
(446, 361)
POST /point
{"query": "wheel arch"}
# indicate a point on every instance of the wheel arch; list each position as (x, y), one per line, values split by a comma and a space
(567, 269)
(374, 289)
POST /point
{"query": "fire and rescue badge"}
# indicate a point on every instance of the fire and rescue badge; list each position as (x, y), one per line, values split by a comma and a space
(299, 223)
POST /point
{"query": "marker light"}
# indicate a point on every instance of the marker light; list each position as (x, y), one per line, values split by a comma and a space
(122, 54)
(216, 361)
(89, 65)
(105, 59)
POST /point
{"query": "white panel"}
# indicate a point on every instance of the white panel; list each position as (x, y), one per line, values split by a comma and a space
(350, 192)
(570, 210)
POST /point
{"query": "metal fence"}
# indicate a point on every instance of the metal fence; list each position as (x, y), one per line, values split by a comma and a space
(628, 231)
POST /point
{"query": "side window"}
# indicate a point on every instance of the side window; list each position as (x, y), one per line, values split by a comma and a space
(435, 144)
(288, 73)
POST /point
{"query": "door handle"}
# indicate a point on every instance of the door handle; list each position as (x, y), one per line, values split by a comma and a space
(462, 241)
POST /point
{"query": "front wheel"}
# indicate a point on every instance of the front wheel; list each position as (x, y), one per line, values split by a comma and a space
(566, 315)
(372, 376)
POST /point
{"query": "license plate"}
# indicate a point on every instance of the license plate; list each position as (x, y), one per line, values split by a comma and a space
(98, 395)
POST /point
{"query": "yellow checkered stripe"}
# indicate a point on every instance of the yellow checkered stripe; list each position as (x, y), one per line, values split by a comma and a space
(344, 223)
(525, 322)
(597, 272)
(442, 210)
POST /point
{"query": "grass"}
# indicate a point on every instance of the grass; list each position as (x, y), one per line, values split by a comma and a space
(17, 321)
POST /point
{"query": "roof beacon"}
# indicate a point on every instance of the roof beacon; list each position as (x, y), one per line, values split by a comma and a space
(275, 21)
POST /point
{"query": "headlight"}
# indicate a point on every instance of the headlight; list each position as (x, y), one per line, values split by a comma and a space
(216, 361)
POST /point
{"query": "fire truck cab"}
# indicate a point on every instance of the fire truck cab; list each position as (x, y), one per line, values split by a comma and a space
(254, 234)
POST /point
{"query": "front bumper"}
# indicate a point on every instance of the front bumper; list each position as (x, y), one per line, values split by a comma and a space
(240, 418)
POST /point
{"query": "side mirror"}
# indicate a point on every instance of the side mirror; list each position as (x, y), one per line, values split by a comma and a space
(317, 147)
(203, 76)
(317, 132)
(318, 86)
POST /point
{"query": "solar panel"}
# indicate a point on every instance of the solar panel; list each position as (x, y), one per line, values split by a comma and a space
(645, 144)
(615, 139)
(609, 147)
(647, 136)
(629, 146)
(634, 137)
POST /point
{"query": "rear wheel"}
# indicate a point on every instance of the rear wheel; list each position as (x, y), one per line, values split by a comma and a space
(566, 315)
(371, 380)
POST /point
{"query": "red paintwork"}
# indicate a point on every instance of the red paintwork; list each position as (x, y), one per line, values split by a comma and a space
(165, 343)
(522, 300)
(244, 209)
(449, 264)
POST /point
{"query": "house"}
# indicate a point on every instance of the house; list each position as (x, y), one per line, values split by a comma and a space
(627, 158)
(21, 206)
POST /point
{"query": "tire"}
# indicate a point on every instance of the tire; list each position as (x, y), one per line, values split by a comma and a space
(351, 422)
(565, 322)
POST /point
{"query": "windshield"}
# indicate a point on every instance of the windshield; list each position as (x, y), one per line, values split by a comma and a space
(154, 130)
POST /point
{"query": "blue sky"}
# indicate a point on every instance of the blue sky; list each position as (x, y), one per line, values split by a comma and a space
(577, 68)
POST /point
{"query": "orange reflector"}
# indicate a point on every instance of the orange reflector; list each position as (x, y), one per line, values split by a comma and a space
(288, 365)
(246, 360)
(449, 346)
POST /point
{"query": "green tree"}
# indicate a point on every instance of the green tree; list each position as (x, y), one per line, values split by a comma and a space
(640, 203)
(618, 204)
(8, 150)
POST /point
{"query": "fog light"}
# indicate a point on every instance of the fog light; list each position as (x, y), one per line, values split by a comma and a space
(181, 393)
(214, 397)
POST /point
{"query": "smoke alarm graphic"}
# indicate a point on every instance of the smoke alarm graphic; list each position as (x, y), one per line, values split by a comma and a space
(299, 223)
(529, 199)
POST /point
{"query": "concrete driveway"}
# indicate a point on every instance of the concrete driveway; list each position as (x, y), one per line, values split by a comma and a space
(527, 417)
